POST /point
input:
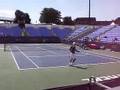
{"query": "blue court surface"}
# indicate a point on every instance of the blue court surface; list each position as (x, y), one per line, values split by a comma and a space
(36, 56)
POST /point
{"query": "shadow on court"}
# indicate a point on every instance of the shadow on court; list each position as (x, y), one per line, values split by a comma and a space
(79, 67)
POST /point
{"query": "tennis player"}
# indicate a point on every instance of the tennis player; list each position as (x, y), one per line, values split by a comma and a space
(72, 53)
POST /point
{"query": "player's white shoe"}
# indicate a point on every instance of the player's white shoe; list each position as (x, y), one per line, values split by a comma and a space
(70, 64)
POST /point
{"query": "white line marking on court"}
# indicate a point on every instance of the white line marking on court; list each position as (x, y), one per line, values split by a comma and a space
(98, 63)
(101, 55)
(102, 85)
(66, 66)
(28, 57)
(45, 68)
(54, 56)
(48, 50)
(14, 59)
(1, 48)
(29, 69)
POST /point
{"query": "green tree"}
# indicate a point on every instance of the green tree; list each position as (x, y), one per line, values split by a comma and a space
(50, 15)
(21, 16)
(67, 21)
(18, 16)
(27, 18)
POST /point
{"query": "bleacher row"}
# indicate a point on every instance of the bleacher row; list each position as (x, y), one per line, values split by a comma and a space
(100, 31)
(108, 33)
(32, 31)
(105, 34)
(112, 35)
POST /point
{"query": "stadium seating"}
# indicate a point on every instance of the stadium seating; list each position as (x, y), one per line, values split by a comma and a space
(111, 35)
(45, 31)
(77, 32)
(10, 30)
(13, 31)
(33, 30)
(61, 33)
(100, 31)
(81, 32)
(2, 29)
(41, 31)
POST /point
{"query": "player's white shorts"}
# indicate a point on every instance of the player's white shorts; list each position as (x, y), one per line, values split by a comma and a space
(72, 56)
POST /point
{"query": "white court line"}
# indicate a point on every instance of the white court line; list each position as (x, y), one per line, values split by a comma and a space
(1, 48)
(102, 85)
(28, 57)
(53, 67)
(66, 66)
(29, 69)
(54, 56)
(14, 59)
(95, 64)
(48, 50)
(107, 56)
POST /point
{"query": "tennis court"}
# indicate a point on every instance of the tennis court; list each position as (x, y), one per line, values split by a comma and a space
(36, 56)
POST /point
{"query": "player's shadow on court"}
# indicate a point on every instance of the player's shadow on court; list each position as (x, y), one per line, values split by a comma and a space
(79, 67)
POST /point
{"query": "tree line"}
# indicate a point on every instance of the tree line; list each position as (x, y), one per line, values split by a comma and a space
(47, 16)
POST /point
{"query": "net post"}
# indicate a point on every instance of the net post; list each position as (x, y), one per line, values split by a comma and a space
(4, 47)
(4, 42)
(92, 80)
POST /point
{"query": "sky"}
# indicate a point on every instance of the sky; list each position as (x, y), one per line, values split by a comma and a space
(101, 9)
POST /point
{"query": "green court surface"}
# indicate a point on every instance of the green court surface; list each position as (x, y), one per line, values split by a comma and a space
(39, 79)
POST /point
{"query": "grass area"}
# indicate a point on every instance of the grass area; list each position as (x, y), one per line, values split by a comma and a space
(13, 79)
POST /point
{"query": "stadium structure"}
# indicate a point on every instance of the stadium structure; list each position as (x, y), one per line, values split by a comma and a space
(39, 61)
(6, 20)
